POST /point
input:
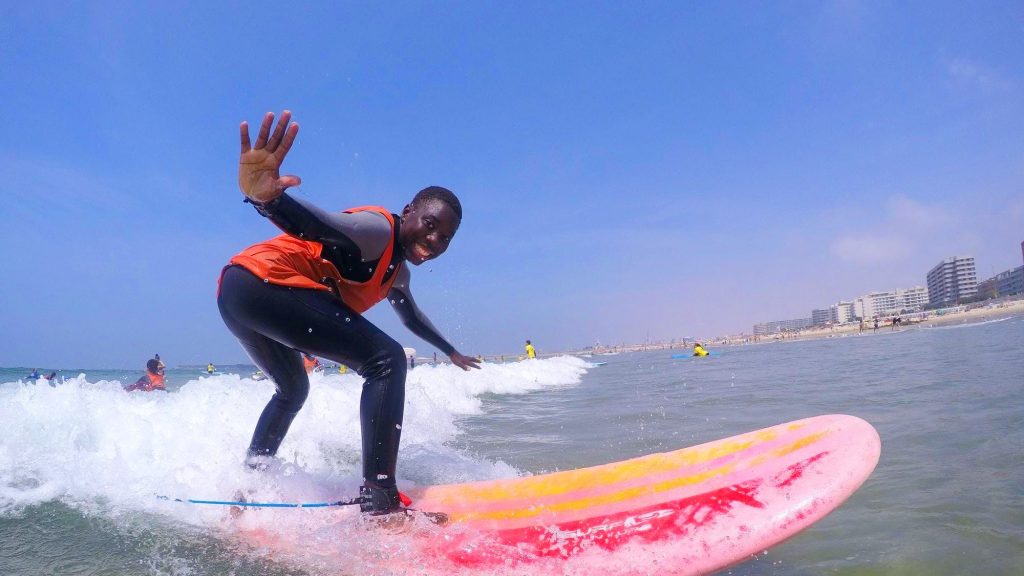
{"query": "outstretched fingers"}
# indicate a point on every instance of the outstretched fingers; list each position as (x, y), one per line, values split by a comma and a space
(261, 139)
(279, 131)
(288, 140)
(244, 132)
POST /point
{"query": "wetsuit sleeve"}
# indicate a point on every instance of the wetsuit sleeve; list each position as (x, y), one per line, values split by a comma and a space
(140, 384)
(366, 234)
(401, 300)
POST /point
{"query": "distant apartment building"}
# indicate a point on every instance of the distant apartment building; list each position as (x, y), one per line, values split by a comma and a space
(782, 326)
(821, 316)
(914, 298)
(1005, 283)
(952, 280)
(892, 302)
(871, 305)
(838, 313)
(843, 312)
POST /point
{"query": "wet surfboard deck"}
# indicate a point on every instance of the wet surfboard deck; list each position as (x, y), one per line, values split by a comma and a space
(701, 508)
(712, 505)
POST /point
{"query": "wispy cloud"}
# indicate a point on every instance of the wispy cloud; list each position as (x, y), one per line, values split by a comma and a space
(869, 248)
(907, 224)
(971, 73)
(906, 211)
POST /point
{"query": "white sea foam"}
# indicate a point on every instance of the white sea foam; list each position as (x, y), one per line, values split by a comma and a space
(968, 324)
(102, 451)
(90, 444)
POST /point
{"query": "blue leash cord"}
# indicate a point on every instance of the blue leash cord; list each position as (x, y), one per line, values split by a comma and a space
(264, 504)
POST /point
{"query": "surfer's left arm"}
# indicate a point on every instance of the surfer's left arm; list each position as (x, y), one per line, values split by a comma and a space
(417, 322)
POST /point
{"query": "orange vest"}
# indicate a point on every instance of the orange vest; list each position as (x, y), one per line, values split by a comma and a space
(156, 381)
(309, 363)
(289, 261)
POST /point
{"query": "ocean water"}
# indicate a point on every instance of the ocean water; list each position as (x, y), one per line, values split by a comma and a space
(81, 463)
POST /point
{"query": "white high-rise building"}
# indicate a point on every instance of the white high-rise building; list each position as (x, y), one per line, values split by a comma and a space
(821, 316)
(952, 280)
(838, 313)
(844, 312)
(891, 302)
(914, 298)
(782, 326)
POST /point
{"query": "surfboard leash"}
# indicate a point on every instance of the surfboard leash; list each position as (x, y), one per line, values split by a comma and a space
(349, 502)
(405, 500)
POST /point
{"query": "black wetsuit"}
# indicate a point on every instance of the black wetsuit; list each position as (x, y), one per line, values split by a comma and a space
(274, 323)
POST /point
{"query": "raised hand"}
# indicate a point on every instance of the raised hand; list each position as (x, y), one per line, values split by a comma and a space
(259, 175)
(464, 362)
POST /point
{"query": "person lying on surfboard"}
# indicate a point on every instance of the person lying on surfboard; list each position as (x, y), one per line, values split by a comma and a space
(308, 288)
(699, 350)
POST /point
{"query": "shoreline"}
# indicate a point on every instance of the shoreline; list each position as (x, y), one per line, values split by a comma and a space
(929, 319)
(970, 314)
(945, 317)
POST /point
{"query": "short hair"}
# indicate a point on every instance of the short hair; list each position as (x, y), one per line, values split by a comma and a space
(152, 365)
(441, 194)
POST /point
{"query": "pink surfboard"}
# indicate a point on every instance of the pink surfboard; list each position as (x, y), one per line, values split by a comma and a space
(708, 506)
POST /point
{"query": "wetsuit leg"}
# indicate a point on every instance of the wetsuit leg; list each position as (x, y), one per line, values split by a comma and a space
(282, 364)
(317, 322)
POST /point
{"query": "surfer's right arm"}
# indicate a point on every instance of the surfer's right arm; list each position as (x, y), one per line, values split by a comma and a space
(361, 236)
(259, 165)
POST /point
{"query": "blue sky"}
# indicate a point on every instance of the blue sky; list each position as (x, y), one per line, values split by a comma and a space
(628, 171)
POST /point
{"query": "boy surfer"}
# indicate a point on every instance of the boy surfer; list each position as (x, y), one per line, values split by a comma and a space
(307, 289)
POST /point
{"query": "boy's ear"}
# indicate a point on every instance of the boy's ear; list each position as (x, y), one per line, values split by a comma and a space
(407, 209)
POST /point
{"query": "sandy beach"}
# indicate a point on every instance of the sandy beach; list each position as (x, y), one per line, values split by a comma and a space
(978, 312)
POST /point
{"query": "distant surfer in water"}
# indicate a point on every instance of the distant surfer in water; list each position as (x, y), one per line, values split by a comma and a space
(152, 380)
(531, 352)
(310, 363)
(308, 288)
(699, 350)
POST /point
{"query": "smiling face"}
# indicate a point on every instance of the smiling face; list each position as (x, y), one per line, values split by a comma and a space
(428, 226)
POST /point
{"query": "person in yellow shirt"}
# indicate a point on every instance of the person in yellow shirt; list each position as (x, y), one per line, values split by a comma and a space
(699, 350)
(531, 352)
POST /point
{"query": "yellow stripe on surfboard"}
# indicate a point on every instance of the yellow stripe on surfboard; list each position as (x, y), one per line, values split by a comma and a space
(626, 494)
(546, 485)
